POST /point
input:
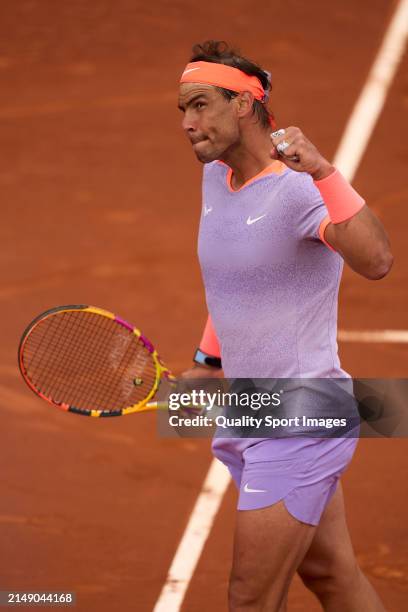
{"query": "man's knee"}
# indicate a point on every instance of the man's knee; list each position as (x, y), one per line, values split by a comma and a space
(328, 578)
(243, 594)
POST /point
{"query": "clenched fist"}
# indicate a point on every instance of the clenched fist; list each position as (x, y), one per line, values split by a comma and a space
(292, 147)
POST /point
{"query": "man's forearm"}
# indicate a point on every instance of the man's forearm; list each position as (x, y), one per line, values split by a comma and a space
(355, 232)
(363, 244)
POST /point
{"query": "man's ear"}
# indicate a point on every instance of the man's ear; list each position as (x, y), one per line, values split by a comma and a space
(245, 102)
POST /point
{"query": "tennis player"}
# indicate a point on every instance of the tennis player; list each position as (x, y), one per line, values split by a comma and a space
(277, 222)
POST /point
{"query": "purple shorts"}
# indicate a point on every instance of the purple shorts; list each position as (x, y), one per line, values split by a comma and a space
(301, 471)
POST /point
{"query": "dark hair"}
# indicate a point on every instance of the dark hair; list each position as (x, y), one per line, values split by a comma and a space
(218, 52)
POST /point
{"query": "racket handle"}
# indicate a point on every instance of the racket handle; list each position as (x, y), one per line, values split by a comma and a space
(154, 406)
(165, 406)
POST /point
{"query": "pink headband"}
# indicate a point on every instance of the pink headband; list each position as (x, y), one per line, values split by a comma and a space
(224, 76)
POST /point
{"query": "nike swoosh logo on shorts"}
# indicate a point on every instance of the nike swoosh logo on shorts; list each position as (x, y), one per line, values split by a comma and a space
(251, 221)
(247, 489)
(207, 210)
(190, 70)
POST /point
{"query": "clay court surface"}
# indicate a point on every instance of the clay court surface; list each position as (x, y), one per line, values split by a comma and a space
(100, 205)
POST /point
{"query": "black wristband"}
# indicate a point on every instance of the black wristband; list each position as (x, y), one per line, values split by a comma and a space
(208, 361)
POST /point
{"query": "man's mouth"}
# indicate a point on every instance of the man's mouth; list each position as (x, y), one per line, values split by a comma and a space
(195, 142)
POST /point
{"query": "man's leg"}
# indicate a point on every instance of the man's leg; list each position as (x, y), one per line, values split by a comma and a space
(330, 568)
(269, 545)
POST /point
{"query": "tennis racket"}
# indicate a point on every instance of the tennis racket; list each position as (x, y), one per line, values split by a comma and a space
(88, 361)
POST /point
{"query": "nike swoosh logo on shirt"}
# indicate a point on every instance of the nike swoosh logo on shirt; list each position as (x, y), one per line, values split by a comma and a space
(251, 221)
(247, 489)
(207, 210)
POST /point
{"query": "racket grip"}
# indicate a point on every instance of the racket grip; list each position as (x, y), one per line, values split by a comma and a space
(154, 406)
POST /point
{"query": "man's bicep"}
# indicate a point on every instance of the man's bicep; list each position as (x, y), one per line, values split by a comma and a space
(339, 237)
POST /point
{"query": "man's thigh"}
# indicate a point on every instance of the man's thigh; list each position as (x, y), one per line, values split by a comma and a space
(269, 545)
(330, 552)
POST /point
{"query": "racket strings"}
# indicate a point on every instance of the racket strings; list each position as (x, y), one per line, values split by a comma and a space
(97, 376)
(136, 371)
(63, 358)
(88, 369)
(104, 383)
(130, 361)
(51, 374)
(40, 351)
(88, 361)
(56, 345)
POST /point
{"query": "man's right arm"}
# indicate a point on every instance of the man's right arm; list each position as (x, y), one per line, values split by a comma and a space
(207, 359)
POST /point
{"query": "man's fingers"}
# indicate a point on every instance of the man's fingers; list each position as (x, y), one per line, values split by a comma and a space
(278, 133)
(282, 146)
(280, 143)
(296, 151)
(289, 144)
(288, 151)
(293, 158)
(290, 135)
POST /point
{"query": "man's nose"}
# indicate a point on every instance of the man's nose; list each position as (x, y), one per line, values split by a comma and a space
(188, 124)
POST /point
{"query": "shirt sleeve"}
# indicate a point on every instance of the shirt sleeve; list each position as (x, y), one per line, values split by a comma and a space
(311, 211)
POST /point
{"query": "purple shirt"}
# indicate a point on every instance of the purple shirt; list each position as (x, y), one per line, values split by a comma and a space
(271, 284)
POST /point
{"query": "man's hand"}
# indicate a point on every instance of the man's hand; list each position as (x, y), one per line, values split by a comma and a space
(292, 147)
(360, 240)
(195, 373)
(198, 371)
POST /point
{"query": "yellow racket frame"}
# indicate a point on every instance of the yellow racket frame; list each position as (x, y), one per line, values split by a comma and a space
(162, 372)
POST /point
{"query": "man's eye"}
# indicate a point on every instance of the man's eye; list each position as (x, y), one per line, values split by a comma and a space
(199, 105)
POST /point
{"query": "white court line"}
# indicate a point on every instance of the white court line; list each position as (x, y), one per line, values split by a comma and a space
(195, 536)
(371, 101)
(397, 336)
(352, 146)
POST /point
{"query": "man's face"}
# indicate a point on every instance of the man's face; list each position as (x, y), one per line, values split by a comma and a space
(210, 120)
